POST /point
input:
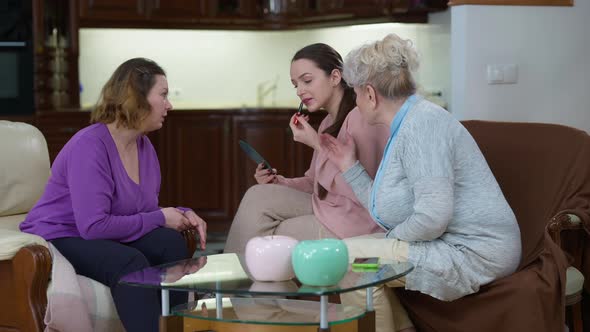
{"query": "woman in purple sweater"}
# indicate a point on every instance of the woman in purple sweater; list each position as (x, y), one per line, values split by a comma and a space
(100, 206)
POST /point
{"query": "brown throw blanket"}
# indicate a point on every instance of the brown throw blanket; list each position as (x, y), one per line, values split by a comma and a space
(543, 169)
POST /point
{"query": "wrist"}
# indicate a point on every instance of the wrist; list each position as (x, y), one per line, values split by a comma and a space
(347, 165)
(316, 145)
(183, 209)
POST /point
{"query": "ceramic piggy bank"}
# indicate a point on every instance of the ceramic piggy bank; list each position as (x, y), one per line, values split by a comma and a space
(268, 258)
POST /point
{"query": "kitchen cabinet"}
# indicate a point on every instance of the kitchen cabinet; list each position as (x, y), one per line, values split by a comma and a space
(173, 10)
(55, 58)
(112, 10)
(234, 10)
(195, 164)
(59, 127)
(183, 14)
(269, 134)
(358, 8)
(428, 5)
(249, 14)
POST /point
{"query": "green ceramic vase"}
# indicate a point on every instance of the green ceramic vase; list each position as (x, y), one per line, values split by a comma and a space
(320, 262)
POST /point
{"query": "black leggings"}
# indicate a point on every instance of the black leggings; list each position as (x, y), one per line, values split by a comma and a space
(107, 261)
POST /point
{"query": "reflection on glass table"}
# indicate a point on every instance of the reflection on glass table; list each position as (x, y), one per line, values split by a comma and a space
(274, 311)
(228, 274)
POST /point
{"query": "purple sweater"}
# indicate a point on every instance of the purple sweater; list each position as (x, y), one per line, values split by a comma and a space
(90, 195)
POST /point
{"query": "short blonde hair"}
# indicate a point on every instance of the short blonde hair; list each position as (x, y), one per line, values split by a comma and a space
(387, 65)
(124, 97)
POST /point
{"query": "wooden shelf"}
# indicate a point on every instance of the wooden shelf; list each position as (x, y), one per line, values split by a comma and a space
(513, 2)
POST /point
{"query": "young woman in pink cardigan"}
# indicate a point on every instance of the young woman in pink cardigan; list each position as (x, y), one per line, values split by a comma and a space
(319, 204)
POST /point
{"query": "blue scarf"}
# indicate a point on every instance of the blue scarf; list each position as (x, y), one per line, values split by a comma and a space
(394, 129)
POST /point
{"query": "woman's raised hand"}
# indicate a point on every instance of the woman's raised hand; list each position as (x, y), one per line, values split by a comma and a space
(265, 175)
(303, 132)
(342, 154)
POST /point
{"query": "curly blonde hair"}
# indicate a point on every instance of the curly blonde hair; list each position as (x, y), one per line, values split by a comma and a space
(387, 65)
(124, 97)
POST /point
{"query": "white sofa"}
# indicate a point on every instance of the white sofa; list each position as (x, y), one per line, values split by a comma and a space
(25, 261)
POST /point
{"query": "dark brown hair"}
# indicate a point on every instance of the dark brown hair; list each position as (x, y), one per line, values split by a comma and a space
(124, 96)
(328, 59)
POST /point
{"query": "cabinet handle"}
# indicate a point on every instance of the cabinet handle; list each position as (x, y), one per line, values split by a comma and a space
(13, 44)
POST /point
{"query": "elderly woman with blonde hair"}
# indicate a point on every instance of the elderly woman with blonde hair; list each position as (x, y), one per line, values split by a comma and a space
(433, 194)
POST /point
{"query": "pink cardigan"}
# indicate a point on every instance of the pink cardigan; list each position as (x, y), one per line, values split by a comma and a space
(340, 211)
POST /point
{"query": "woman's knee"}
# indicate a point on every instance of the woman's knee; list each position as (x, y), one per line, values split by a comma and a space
(172, 244)
(256, 192)
(129, 261)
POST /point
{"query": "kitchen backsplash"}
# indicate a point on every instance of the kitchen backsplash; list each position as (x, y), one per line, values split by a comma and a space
(211, 69)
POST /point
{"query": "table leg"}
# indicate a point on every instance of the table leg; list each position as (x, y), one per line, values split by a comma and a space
(367, 323)
(165, 302)
(369, 292)
(324, 327)
(218, 305)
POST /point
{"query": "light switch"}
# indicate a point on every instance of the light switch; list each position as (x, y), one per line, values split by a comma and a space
(502, 74)
(510, 73)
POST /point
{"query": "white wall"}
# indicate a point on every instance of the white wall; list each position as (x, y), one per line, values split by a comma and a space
(219, 69)
(550, 45)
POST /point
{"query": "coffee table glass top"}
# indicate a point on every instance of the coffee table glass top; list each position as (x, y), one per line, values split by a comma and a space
(228, 274)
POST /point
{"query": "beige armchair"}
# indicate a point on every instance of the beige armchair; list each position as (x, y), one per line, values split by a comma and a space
(25, 261)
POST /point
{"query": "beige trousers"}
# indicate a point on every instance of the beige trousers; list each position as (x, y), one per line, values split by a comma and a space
(274, 209)
(390, 315)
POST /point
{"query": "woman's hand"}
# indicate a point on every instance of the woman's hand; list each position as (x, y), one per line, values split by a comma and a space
(341, 154)
(199, 224)
(175, 219)
(303, 132)
(265, 175)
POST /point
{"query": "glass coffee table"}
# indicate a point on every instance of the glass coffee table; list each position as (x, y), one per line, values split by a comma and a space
(233, 301)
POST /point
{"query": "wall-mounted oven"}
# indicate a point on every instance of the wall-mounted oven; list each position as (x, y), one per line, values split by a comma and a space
(16, 58)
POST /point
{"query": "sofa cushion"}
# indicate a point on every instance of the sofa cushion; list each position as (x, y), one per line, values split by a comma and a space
(11, 241)
(78, 303)
(24, 169)
(11, 222)
(101, 307)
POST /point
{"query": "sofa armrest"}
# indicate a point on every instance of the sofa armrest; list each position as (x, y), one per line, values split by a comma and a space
(574, 241)
(24, 289)
(561, 222)
(11, 241)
